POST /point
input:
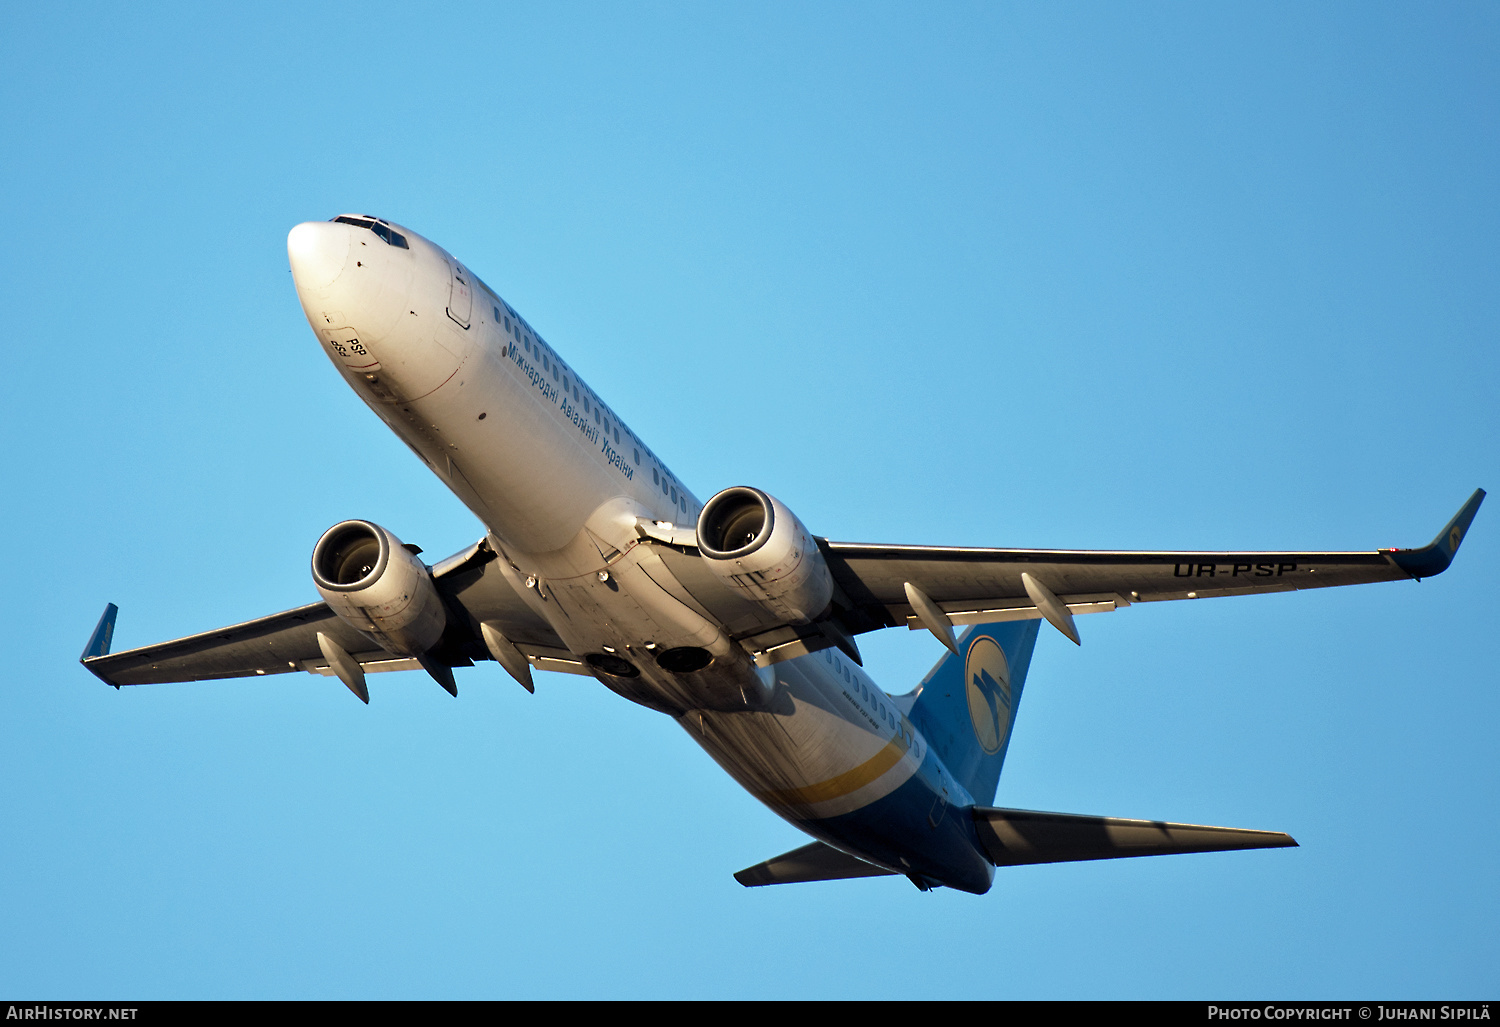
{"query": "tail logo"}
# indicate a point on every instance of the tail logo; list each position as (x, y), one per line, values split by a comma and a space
(987, 674)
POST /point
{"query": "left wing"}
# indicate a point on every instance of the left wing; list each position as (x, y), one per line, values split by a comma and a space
(275, 644)
(472, 587)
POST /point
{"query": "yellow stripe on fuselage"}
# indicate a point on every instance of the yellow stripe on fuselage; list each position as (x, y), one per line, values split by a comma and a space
(841, 785)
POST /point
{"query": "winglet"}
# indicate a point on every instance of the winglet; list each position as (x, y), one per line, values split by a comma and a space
(1434, 558)
(99, 641)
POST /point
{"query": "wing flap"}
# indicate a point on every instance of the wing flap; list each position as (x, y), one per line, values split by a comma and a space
(1016, 837)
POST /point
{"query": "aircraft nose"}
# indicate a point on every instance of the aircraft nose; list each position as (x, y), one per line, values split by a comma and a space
(318, 251)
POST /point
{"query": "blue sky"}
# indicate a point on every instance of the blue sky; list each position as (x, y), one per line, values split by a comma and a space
(1086, 276)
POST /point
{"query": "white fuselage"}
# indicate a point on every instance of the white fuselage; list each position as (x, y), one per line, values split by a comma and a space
(561, 482)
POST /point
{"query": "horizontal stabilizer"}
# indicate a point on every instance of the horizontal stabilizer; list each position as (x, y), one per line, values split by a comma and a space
(1012, 837)
(815, 862)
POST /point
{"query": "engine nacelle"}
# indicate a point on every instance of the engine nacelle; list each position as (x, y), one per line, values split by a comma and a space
(754, 543)
(377, 586)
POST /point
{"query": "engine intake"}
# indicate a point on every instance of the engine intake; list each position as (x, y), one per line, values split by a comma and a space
(378, 587)
(755, 544)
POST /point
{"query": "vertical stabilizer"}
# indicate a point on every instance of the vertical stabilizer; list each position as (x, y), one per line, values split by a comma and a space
(966, 706)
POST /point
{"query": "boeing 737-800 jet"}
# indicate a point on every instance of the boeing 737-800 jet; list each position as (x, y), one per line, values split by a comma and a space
(729, 616)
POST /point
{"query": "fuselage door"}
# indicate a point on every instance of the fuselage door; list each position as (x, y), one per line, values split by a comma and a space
(461, 299)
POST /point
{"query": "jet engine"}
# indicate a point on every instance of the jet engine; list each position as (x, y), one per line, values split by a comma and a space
(377, 585)
(755, 544)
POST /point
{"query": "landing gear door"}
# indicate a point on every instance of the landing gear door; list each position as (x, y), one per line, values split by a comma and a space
(461, 299)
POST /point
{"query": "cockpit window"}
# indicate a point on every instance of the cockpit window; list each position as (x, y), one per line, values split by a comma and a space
(380, 228)
(394, 238)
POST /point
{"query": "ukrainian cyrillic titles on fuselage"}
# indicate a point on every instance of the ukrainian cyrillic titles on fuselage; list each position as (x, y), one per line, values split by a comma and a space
(561, 484)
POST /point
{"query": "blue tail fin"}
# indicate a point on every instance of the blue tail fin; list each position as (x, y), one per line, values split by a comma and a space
(966, 705)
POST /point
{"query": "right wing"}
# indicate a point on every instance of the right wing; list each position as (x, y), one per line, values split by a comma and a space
(471, 583)
(982, 586)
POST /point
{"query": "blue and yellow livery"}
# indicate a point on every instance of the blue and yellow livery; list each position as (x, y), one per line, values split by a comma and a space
(728, 615)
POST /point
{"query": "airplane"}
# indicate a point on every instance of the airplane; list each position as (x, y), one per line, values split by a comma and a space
(729, 616)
